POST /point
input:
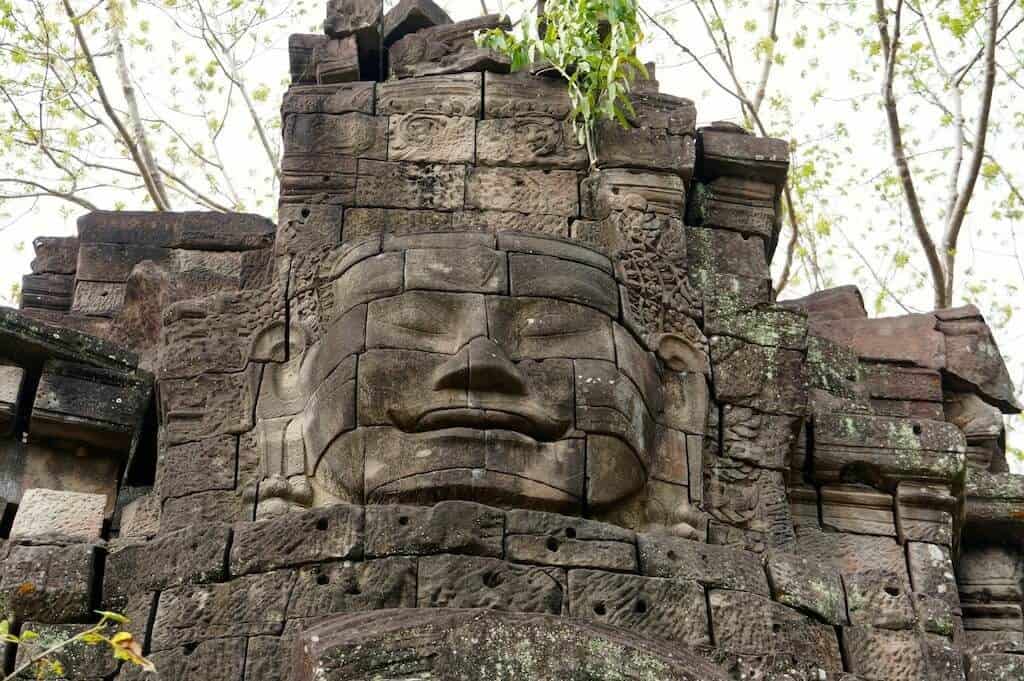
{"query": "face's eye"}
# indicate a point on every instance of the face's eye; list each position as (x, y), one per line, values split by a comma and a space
(431, 322)
(550, 324)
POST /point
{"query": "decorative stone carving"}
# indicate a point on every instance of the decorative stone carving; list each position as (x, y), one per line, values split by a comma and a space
(536, 141)
(429, 137)
(512, 342)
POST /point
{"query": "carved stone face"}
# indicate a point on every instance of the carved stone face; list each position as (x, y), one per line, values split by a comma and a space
(452, 367)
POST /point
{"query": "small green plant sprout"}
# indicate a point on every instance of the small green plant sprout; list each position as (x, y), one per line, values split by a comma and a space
(43, 662)
(592, 45)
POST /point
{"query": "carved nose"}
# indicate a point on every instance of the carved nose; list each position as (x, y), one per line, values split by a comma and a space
(481, 365)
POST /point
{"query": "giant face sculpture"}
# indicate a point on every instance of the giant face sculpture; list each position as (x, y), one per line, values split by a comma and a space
(462, 366)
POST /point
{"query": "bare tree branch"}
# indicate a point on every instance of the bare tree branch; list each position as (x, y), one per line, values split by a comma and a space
(955, 220)
(890, 47)
(122, 131)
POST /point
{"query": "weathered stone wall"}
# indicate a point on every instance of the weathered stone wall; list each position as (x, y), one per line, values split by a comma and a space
(476, 371)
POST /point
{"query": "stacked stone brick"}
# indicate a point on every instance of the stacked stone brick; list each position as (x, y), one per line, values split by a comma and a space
(488, 408)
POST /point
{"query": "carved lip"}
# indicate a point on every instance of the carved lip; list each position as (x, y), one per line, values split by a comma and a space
(541, 429)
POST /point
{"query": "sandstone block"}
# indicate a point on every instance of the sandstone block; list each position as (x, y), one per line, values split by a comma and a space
(332, 532)
(472, 582)
(69, 516)
(879, 598)
(49, 583)
(537, 142)
(543, 276)
(666, 609)
(336, 98)
(713, 566)
(431, 137)
(404, 185)
(193, 555)
(449, 527)
(330, 588)
(248, 606)
(805, 585)
(456, 94)
(551, 192)
(448, 48)
(197, 466)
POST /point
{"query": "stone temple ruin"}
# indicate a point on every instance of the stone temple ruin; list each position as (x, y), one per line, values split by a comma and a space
(475, 409)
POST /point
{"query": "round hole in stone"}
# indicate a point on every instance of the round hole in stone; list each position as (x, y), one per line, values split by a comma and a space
(323, 580)
(672, 555)
(570, 532)
(305, 212)
(892, 591)
(103, 294)
(327, 178)
(552, 544)
(490, 579)
(599, 608)
(776, 627)
(403, 520)
(321, 524)
(917, 429)
(640, 606)
(190, 648)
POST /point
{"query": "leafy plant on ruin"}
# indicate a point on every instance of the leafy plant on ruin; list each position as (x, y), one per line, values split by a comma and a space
(592, 45)
(42, 662)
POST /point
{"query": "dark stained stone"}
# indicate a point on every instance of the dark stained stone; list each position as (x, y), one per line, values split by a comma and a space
(748, 624)
(330, 533)
(49, 583)
(409, 16)
(330, 588)
(713, 566)
(449, 527)
(194, 555)
(247, 606)
(448, 48)
(805, 585)
(220, 659)
(199, 230)
(731, 151)
(665, 609)
(472, 582)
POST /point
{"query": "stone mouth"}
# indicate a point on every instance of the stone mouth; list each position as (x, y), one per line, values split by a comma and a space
(522, 422)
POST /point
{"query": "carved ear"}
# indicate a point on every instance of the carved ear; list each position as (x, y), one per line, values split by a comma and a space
(278, 343)
(680, 352)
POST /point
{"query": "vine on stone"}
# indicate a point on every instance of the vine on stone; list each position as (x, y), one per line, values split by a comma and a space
(592, 45)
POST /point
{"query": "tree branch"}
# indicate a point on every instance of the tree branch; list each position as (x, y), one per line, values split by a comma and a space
(890, 47)
(956, 218)
(122, 131)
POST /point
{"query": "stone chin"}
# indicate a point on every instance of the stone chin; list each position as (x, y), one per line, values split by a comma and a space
(453, 366)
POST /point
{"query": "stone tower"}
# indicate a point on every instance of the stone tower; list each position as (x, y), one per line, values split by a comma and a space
(478, 408)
